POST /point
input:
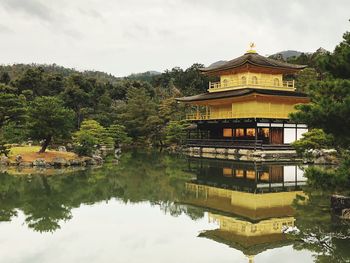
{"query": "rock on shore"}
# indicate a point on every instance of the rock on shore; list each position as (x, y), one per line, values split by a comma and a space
(54, 162)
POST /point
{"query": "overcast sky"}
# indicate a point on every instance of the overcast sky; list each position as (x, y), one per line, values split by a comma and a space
(126, 36)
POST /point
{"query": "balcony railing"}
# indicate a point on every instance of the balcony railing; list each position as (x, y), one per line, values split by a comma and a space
(236, 143)
(230, 85)
(224, 143)
(238, 115)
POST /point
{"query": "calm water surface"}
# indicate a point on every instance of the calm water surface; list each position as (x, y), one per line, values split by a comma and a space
(152, 207)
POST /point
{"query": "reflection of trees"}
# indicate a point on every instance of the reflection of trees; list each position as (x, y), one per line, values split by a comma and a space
(320, 232)
(43, 207)
(176, 209)
(47, 200)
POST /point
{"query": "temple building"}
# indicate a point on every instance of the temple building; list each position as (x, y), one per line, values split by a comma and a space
(248, 107)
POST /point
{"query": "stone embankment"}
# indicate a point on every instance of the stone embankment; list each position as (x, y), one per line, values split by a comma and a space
(242, 154)
(326, 156)
(314, 156)
(51, 162)
(341, 206)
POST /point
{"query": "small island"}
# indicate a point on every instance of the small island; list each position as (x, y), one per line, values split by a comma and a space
(29, 156)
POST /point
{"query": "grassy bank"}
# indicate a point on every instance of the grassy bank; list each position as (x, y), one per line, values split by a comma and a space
(30, 153)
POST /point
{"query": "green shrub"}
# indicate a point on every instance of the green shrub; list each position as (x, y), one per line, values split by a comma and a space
(91, 133)
(174, 132)
(330, 178)
(118, 134)
(84, 145)
(312, 140)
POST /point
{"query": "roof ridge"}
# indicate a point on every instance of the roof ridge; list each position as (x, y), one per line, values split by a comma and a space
(254, 59)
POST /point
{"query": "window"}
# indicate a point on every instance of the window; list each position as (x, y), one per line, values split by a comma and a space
(276, 82)
(244, 80)
(239, 173)
(251, 132)
(239, 132)
(264, 176)
(289, 173)
(227, 172)
(227, 132)
(289, 135)
(265, 132)
(250, 174)
(225, 82)
(254, 80)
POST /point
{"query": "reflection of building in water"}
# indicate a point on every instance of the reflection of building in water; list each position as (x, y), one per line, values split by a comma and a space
(248, 229)
(254, 206)
(250, 202)
(251, 238)
(246, 176)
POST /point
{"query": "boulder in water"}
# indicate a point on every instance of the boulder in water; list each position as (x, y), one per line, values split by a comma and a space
(59, 161)
(40, 162)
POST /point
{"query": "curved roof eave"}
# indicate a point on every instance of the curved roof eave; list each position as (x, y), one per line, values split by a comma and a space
(239, 93)
(266, 62)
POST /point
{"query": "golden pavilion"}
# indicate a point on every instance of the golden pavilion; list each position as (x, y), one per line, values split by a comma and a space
(248, 107)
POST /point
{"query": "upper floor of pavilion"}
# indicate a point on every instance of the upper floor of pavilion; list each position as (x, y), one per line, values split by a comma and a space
(251, 70)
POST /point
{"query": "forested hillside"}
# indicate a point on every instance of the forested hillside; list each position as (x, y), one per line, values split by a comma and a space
(141, 105)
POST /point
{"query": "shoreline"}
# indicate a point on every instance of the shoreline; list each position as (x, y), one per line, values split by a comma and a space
(257, 155)
(28, 156)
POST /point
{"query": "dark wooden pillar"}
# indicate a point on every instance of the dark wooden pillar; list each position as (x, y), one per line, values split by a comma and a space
(256, 135)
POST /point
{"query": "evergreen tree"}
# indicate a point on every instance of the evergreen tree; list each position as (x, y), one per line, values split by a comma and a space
(5, 78)
(119, 134)
(329, 109)
(12, 106)
(175, 132)
(138, 111)
(338, 63)
(48, 119)
(77, 99)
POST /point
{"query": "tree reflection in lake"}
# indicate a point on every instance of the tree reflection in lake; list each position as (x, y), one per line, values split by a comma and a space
(327, 235)
(250, 202)
(47, 200)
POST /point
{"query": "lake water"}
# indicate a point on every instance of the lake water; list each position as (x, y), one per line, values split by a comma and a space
(154, 207)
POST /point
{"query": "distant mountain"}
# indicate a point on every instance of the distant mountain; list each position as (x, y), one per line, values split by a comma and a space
(294, 53)
(286, 54)
(283, 55)
(18, 69)
(144, 76)
(153, 72)
(148, 73)
(101, 76)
